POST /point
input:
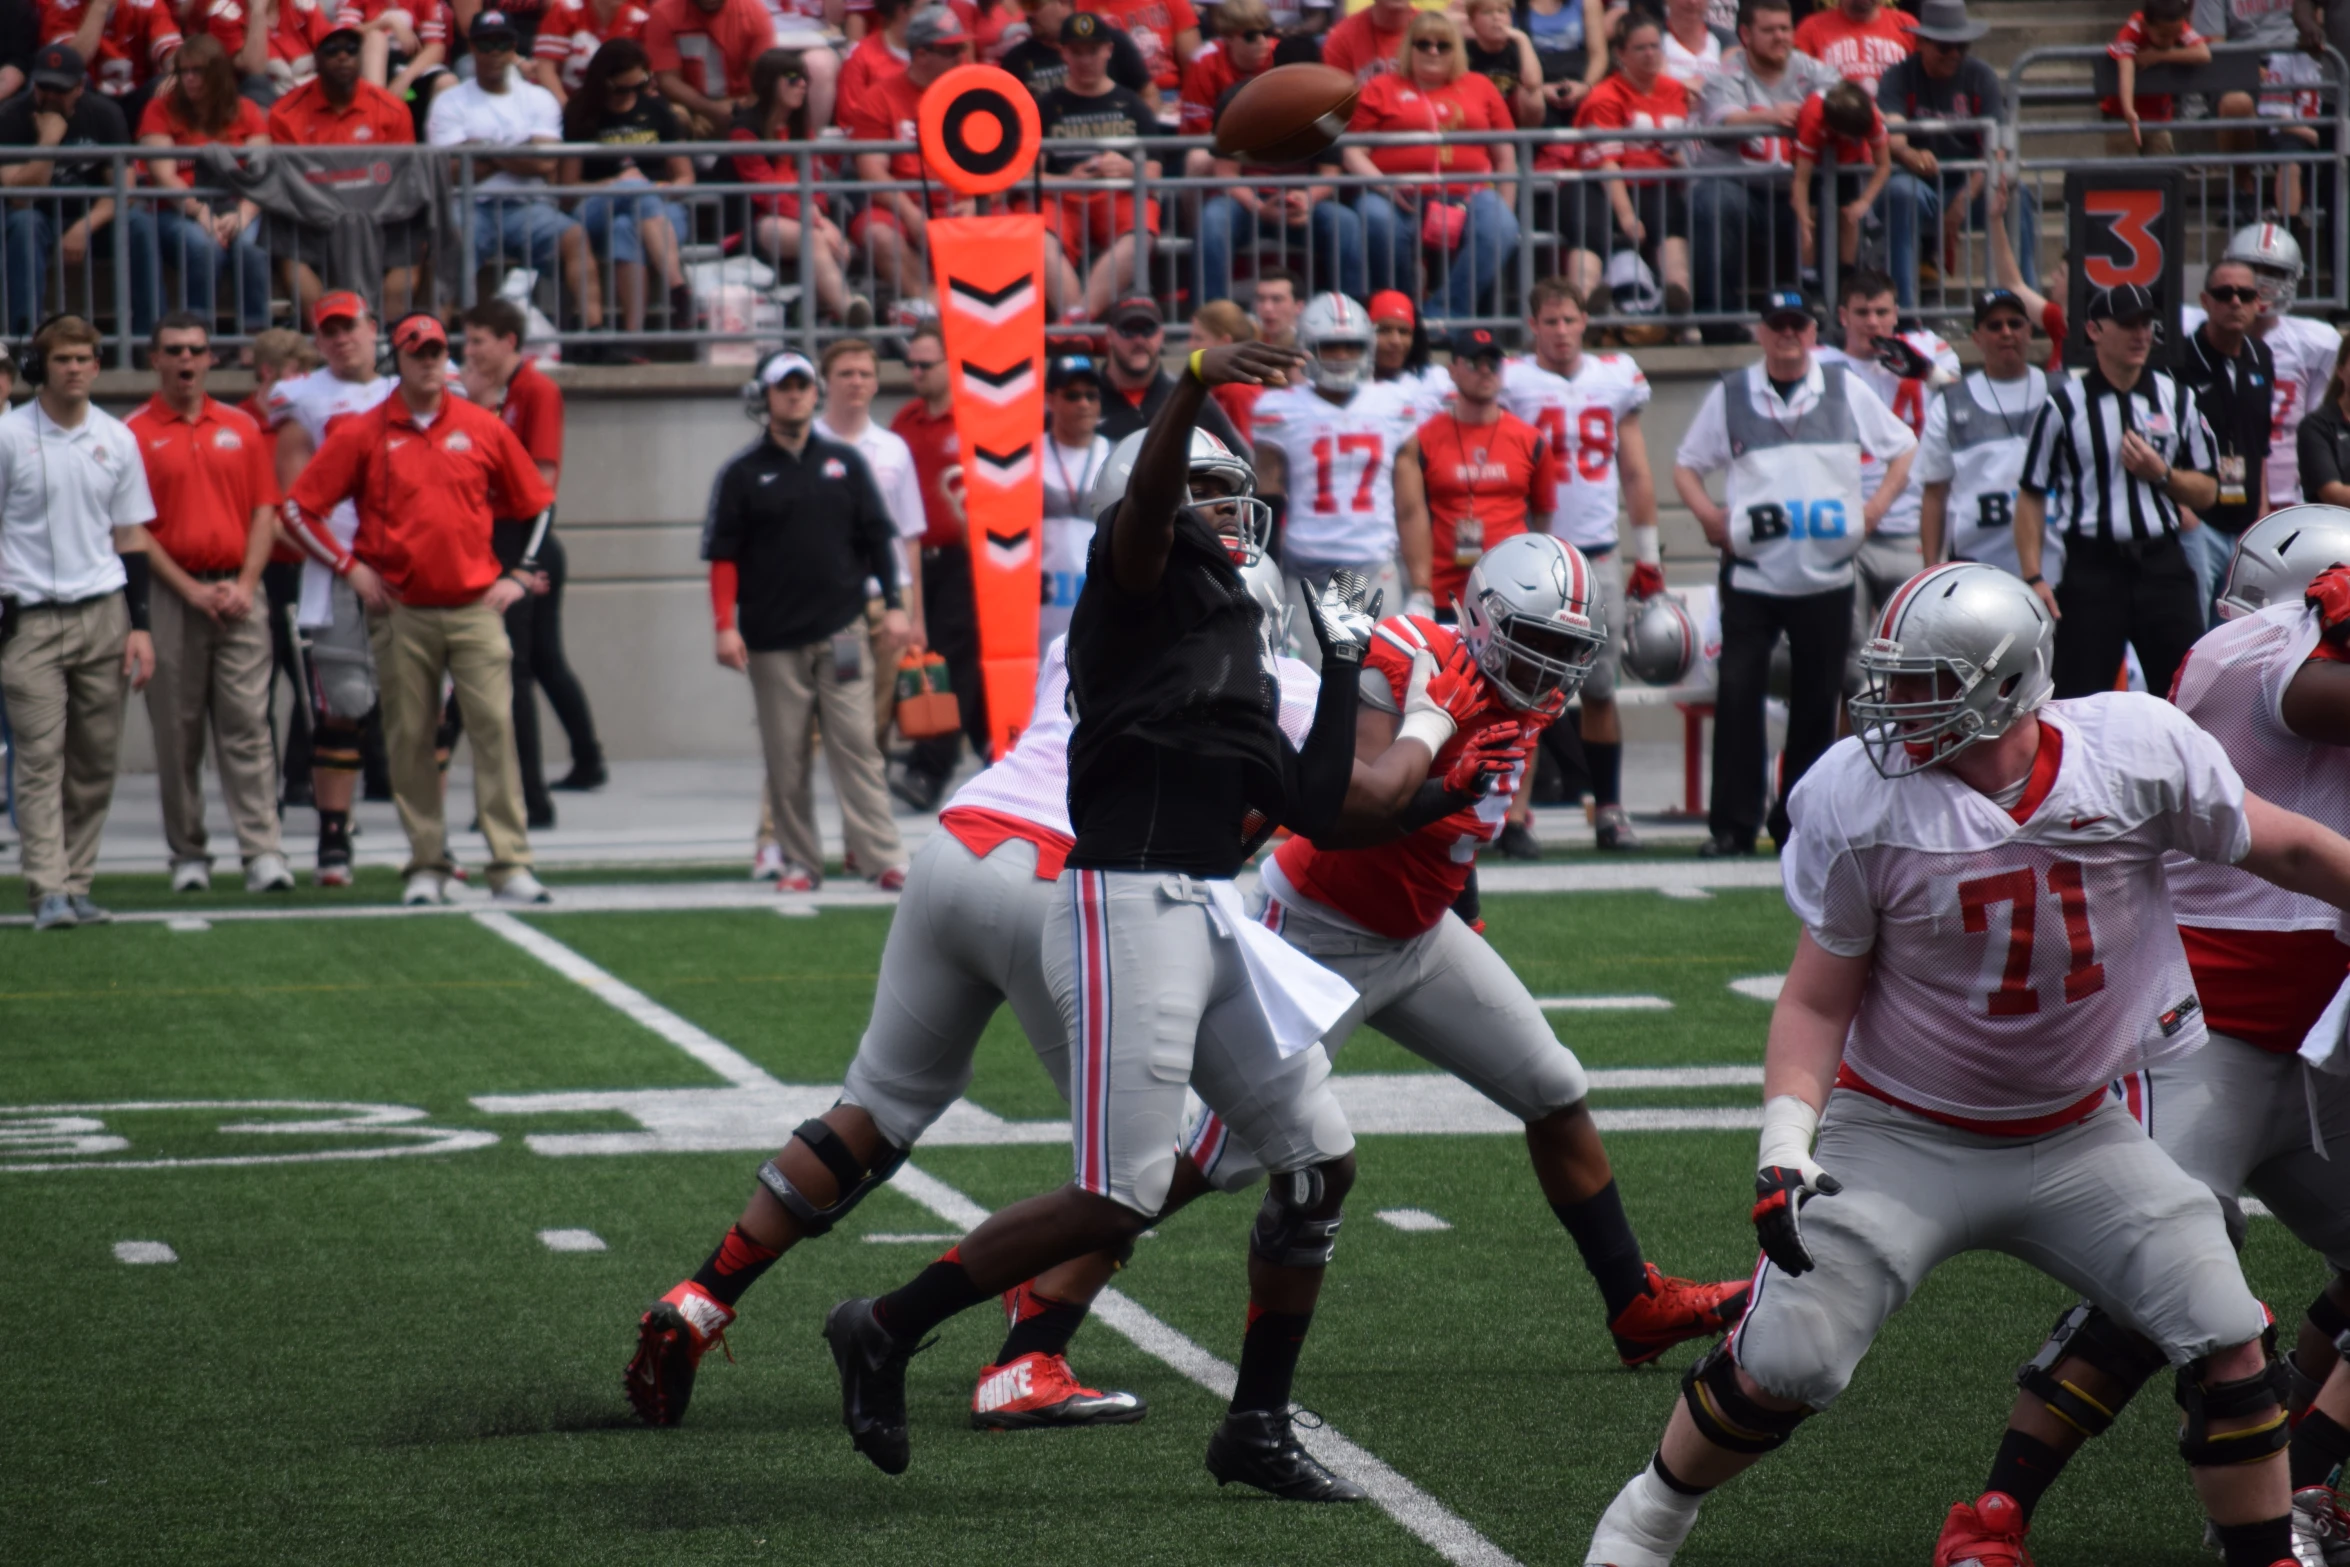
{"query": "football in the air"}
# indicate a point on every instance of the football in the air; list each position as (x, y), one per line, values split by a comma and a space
(1287, 115)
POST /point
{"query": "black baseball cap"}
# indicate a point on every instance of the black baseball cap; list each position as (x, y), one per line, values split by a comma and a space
(1992, 299)
(492, 27)
(1067, 368)
(1788, 302)
(1083, 27)
(350, 38)
(2125, 303)
(59, 68)
(1475, 342)
(1136, 309)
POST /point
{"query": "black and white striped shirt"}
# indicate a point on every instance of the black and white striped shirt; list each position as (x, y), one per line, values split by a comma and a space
(2074, 457)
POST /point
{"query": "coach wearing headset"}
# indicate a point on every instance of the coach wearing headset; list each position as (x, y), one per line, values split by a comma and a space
(422, 467)
(73, 613)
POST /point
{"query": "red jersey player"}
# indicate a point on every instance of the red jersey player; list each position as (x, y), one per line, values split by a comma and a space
(1987, 945)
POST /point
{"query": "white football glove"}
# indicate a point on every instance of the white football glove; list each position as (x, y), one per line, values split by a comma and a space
(1420, 602)
(1424, 718)
(1343, 616)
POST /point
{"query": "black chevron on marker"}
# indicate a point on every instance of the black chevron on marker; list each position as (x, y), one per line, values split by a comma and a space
(1005, 541)
(997, 378)
(990, 297)
(1001, 459)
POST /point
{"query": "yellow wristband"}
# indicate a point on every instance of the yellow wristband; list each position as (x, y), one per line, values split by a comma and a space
(1197, 355)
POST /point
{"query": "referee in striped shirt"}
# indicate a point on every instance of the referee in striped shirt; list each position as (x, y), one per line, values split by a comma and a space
(2114, 453)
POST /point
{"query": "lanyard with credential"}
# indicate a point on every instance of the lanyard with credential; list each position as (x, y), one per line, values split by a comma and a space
(1084, 475)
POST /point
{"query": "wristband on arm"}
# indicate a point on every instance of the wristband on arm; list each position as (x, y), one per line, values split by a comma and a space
(135, 582)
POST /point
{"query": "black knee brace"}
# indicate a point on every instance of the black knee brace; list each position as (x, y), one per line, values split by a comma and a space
(1725, 1416)
(2087, 1334)
(334, 746)
(853, 1178)
(2263, 1393)
(1286, 1232)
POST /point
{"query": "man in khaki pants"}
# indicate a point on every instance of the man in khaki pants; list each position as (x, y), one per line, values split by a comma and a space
(73, 605)
(423, 468)
(215, 495)
(796, 532)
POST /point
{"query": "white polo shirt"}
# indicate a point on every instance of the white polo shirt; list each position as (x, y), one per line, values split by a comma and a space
(892, 462)
(62, 494)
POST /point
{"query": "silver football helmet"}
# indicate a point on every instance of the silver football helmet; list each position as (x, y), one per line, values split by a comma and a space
(1529, 619)
(1661, 641)
(1270, 589)
(1335, 321)
(1222, 493)
(2278, 556)
(1975, 644)
(2274, 256)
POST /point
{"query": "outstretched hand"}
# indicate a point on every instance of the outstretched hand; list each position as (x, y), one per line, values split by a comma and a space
(1249, 364)
(1345, 613)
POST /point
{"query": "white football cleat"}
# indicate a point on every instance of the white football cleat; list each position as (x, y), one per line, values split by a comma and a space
(768, 864)
(421, 889)
(522, 887)
(269, 873)
(191, 876)
(1643, 1527)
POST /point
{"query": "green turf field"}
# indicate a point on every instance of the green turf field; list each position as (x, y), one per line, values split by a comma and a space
(376, 1359)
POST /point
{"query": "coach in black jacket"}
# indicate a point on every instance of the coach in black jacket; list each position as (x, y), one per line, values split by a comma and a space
(798, 544)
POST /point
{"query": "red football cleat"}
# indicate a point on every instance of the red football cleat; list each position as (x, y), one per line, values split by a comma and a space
(1041, 1390)
(1989, 1532)
(671, 1340)
(1672, 1311)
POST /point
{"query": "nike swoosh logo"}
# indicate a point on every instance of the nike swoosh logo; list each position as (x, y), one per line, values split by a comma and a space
(769, 478)
(2080, 822)
(394, 444)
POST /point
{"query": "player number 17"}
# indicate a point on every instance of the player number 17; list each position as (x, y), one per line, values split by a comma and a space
(2013, 995)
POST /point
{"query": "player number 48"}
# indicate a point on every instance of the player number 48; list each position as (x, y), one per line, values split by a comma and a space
(2013, 994)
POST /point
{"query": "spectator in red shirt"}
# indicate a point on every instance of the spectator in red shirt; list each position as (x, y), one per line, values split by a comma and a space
(297, 28)
(126, 44)
(1433, 90)
(894, 229)
(215, 497)
(573, 31)
(1166, 31)
(950, 618)
(2159, 35)
(1241, 50)
(1845, 116)
(422, 467)
(880, 53)
(339, 107)
(1858, 39)
(702, 53)
(406, 45)
(1613, 215)
(190, 235)
(772, 221)
(1368, 42)
(1488, 472)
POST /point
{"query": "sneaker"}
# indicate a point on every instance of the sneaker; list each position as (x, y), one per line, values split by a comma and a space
(54, 912)
(2321, 1529)
(872, 1365)
(769, 864)
(794, 879)
(857, 314)
(1612, 829)
(539, 817)
(191, 876)
(1040, 1390)
(334, 869)
(891, 880)
(584, 778)
(918, 790)
(1517, 843)
(268, 873)
(1259, 1448)
(521, 887)
(421, 888)
(1725, 846)
(1988, 1532)
(87, 913)
(671, 1340)
(1674, 1310)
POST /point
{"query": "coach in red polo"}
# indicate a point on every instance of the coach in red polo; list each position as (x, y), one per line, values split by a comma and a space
(422, 467)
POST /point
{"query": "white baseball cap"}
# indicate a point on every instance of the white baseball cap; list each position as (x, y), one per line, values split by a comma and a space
(785, 364)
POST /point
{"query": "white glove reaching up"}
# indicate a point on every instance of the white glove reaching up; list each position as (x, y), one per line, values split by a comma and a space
(1343, 615)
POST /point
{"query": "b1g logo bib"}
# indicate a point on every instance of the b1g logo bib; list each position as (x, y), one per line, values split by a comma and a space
(1796, 498)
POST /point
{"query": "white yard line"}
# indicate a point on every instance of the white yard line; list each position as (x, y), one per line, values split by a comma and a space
(1603, 1003)
(1411, 1220)
(1443, 1530)
(139, 1252)
(571, 1240)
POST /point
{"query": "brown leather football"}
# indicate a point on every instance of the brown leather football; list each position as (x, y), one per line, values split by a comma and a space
(1287, 115)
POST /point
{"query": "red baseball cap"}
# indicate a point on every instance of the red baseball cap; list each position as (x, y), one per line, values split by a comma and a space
(341, 305)
(418, 330)
(1389, 305)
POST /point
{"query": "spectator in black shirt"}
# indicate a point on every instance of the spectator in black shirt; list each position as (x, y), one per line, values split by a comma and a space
(2233, 376)
(2324, 441)
(1038, 62)
(799, 545)
(1941, 81)
(635, 225)
(1096, 226)
(20, 37)
(1139, 383)
(56, 111)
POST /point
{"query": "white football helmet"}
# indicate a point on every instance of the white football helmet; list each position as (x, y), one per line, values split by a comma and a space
(1270, 589)
(2274, 256)
(1335, 321)
(1528, 617)
(1661, 642)
(1222, 493)
(1981, 641)
(2279, 555)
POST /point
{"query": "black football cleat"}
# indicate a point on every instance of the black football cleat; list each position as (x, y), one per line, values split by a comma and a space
(872, 1366)
(1258, 1448)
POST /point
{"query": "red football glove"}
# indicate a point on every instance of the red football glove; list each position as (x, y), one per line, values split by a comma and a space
(2329, 595)
(1647, 580)
(1458, 686)
(1487, 763)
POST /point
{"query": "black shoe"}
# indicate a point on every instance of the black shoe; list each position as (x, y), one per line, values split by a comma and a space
(918, 789)
(540, 817)
(583, 777)
(872, 1366)
(1258, 1448)
(1725, 846)
(1517, 843)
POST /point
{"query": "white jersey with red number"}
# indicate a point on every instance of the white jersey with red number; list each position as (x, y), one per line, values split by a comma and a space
(1581, 414)
(2305, 351)
(2025, 959)
(1032, 781)
(2266, 960)
(1909, 400)
(1338, 468)
(1428, 388)
(1402, 888)
(316, 401)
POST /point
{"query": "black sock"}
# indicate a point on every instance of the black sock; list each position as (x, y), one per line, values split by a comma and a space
(1046, 1329)
(1605, 758)
(334, 830)
(1268, 1359)
(1610, 1250)
(2261, 1544)
(734, 1267)
(2025, 1468)
(2319, 1443)
(937, 1293)
(1672, 1481)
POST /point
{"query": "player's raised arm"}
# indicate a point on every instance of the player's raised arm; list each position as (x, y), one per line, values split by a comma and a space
(1145, 527)
(1393, 792)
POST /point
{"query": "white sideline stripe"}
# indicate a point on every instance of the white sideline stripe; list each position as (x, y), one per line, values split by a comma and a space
(187, 922)
(718, 1056)
(1603, 1003)
(2254, 1208)
(1685, 894)
(1412, 1219)
(913, 1238)
(1437, 1526)
(1760, 987)
(571, 1240)
(136, 1252)
(1676, 1077)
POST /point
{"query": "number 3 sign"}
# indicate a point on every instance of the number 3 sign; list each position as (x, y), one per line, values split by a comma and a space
(2124, 226)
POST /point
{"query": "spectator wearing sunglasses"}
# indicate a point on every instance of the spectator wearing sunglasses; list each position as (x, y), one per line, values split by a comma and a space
(2233, 375)
(632, 222)
(950, 619)
(1241, 49)
(1135, 379)
(1075, 452)
(772, 219)
(339, 107)
(1942, 81)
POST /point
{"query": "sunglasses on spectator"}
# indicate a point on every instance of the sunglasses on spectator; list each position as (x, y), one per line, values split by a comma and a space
(1254, 35)
(1935, 43)
(339, 46)
(1431, 46)
(1082, 391)
(1138, 329)
(428, 352)
(2235, 296)
(183, 350)
(792, 78)
(920, 365)
(638, 85)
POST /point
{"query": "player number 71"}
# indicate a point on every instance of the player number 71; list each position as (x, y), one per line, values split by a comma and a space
(2014, 995)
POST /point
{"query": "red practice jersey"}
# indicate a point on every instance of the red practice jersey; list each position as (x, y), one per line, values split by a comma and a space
(1485, 482)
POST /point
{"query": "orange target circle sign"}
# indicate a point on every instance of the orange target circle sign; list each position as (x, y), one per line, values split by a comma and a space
(978, 129)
